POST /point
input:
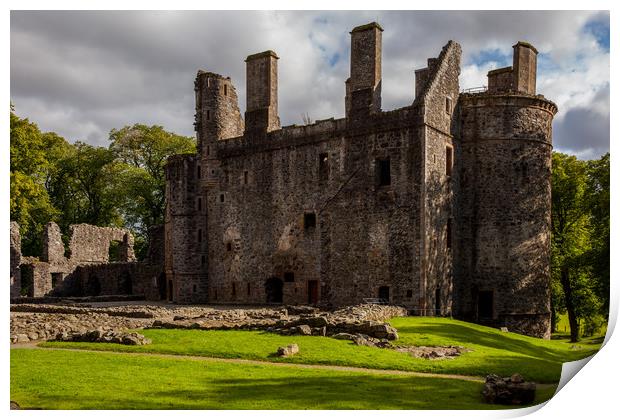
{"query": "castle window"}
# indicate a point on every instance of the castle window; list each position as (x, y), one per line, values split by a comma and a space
(383, 172)
(221, 198)
(449, 158)
(228, 246)
(323, 167)
(248, 289)
(208, 82)
(289, 277)
(225, 90)
(245, 177)
(448, 105)
(449, 234)
(208, 150)
(208, 114)
(198, 172)
(199, 204)
(309, 221)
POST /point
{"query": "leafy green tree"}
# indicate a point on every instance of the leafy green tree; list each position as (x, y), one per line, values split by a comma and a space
(580, 240)
(30, 204)
(143, 151)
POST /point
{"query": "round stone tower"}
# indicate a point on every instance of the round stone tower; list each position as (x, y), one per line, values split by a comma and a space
(502, 257)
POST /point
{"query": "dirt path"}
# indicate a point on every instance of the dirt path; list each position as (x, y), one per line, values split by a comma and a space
(33, 345)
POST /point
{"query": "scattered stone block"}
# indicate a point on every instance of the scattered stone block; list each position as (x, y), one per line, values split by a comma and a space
(513, 390)
(289, 350)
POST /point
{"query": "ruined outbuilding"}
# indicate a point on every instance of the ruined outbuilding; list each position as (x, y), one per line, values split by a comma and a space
(442, 206)
(97, 261)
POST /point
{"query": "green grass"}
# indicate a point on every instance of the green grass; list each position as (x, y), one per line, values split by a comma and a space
(563, 328)
(74, 380)
(492, 351)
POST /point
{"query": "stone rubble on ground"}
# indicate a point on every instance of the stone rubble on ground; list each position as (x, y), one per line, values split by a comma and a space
(33, 322)
(513, 390)
(101, 336)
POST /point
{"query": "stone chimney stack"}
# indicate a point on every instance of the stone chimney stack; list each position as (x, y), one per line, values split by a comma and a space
(524, 68)
(364, 85)
(262, 92)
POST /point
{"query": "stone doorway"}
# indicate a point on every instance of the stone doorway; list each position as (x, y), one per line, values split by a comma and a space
(485, 304)
(273, 290)
(161, 286)
(313, 292)
(384, 294)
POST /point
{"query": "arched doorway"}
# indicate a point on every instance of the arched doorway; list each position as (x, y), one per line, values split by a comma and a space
(273, 290)
(125, 284)
(161, 286)
(384, 294)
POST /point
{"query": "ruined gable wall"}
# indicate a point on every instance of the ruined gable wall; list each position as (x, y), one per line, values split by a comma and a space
(439, 99)
(90, 244)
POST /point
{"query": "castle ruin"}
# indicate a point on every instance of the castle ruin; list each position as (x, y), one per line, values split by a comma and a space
(442, 206)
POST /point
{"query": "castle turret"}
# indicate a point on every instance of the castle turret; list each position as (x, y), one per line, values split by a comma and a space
(503, 226)
(363, 88)
(262, 92)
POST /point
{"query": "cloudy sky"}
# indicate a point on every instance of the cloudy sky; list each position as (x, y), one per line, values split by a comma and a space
(81, 74)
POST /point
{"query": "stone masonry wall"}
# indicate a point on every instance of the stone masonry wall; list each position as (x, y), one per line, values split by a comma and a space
(15, 260)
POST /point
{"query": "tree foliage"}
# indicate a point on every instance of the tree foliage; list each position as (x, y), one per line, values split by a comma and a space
(121, 185)
(580, 240)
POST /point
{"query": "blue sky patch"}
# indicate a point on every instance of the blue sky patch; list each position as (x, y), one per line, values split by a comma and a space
(599, 29)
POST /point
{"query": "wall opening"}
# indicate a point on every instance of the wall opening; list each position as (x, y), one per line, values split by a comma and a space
(198, 172)
(313, 292)
(248, 289)
(228, 246)
(234, 289)
(485, 304)
(93, 286)
(225, 90)
(170, 294)
(384, 176)
(194, 288)
(208, 114)
(221, 198)
(56, 279)
(125, 286)
(245, 177)
(273, 290)
(114, 251)
(323, 167)
(203, 260)
(448, 105)
(409, 294)
(161, 286)
(449, 158)
(199, 204)
(289, 277)
(384, 293)
(309, 220)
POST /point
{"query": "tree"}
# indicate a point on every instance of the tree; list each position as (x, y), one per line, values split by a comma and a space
(143, 152)
(578, 252)
(30, 204)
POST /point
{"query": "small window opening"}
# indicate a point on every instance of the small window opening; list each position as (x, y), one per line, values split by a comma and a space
(448, 105)
(208, 114)
(203, 260)
(449, 234)
(56, 279)
(194, 288)
(225, 90)
(208, 150)
(248, 289)
(199, 204)
(208, 82)
(449, 161)
(309, 220)
(383, 172)
(221, 198)
(228, 246)
(215, 293)
(323, 167)
(198, 172)
(245, 177)
(199, 235)
(289, 277)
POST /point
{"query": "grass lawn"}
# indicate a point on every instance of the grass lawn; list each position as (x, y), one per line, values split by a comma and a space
(75, 380)
(492, 351)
